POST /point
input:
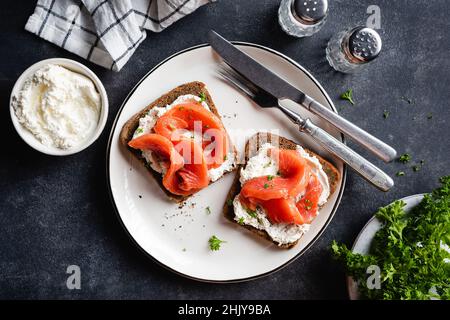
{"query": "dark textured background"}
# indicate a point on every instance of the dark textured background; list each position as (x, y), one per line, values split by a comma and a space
(55, 211)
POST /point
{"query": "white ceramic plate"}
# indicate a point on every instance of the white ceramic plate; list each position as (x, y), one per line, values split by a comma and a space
(365, 237)
(178, 237)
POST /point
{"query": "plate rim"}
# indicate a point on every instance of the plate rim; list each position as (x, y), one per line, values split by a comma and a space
(348, 279)
(108, 154)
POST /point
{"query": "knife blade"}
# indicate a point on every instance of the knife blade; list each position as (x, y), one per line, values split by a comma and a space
(253, 70)
(281, 89)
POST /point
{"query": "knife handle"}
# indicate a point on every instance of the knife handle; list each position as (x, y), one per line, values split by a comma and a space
(365, 139)
(366, 169)
(362, 166)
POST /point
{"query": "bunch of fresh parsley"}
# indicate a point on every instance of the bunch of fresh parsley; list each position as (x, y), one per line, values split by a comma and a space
(408, 250)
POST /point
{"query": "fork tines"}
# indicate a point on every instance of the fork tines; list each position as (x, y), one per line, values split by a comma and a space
(237, 80)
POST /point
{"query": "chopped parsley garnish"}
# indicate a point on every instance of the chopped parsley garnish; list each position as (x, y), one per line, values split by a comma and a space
(407, 100)
(419, 166)
(225, 157)
(230, 202)
(308, 204)
(139, 130)
(407, 249)
(348, 95)
(241, 220)
(214, 243)
(400, 174)
(202, 96)
(385, 114)
(405, 158)
(266, 185)
(208, 210)
(181, 108)
(268, 164)
(269, 177)
(251, 213)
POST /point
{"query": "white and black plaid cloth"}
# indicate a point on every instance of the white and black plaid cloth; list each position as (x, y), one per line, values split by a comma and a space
(106, 32)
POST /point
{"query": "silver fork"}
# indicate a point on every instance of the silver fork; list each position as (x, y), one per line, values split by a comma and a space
(265, 100)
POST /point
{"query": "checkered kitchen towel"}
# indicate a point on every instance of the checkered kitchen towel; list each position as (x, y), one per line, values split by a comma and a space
(106, 32)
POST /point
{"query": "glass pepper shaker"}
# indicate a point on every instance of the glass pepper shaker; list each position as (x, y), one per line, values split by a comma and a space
(349, 51)
(302, 18)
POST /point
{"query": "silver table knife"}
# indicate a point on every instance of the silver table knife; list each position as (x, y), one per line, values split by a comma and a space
(265, 100)
(281, 89)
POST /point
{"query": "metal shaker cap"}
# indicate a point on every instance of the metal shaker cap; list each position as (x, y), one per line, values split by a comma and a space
(309, 11)
(364, 44)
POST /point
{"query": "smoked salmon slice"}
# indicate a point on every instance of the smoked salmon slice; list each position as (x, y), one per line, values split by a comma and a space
(167, 126)
(283, 211)
(309, 203)
(192, 116)
(187, 170)
(292, 170)
(194, 174)
(277, 195)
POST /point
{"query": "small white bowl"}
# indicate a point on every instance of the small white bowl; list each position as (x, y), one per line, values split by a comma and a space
(28, 137)
(365, 237)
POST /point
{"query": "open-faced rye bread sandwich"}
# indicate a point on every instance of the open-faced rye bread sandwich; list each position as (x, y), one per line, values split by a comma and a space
(279, 189)
(182, 141)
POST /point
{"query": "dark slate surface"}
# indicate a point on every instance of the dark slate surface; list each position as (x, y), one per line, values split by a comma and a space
(55, 211)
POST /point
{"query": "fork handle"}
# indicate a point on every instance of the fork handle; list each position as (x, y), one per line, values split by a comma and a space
(365, 168)
(362, 166)
(365, 139)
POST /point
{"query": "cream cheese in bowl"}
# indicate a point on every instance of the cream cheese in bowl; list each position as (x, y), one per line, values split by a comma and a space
(59, 108)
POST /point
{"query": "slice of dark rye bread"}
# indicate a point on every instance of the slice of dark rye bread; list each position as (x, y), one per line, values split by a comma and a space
(195, 88)
(251, 149)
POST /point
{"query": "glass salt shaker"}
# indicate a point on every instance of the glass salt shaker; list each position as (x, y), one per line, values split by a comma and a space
(349, 51)
(302, 18)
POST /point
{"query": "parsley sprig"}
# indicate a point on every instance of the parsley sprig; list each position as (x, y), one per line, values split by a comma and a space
(215, 243)
(405, 158)
(348, 95)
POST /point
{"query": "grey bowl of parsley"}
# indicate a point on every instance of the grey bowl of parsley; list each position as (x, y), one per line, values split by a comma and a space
(410, 248)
